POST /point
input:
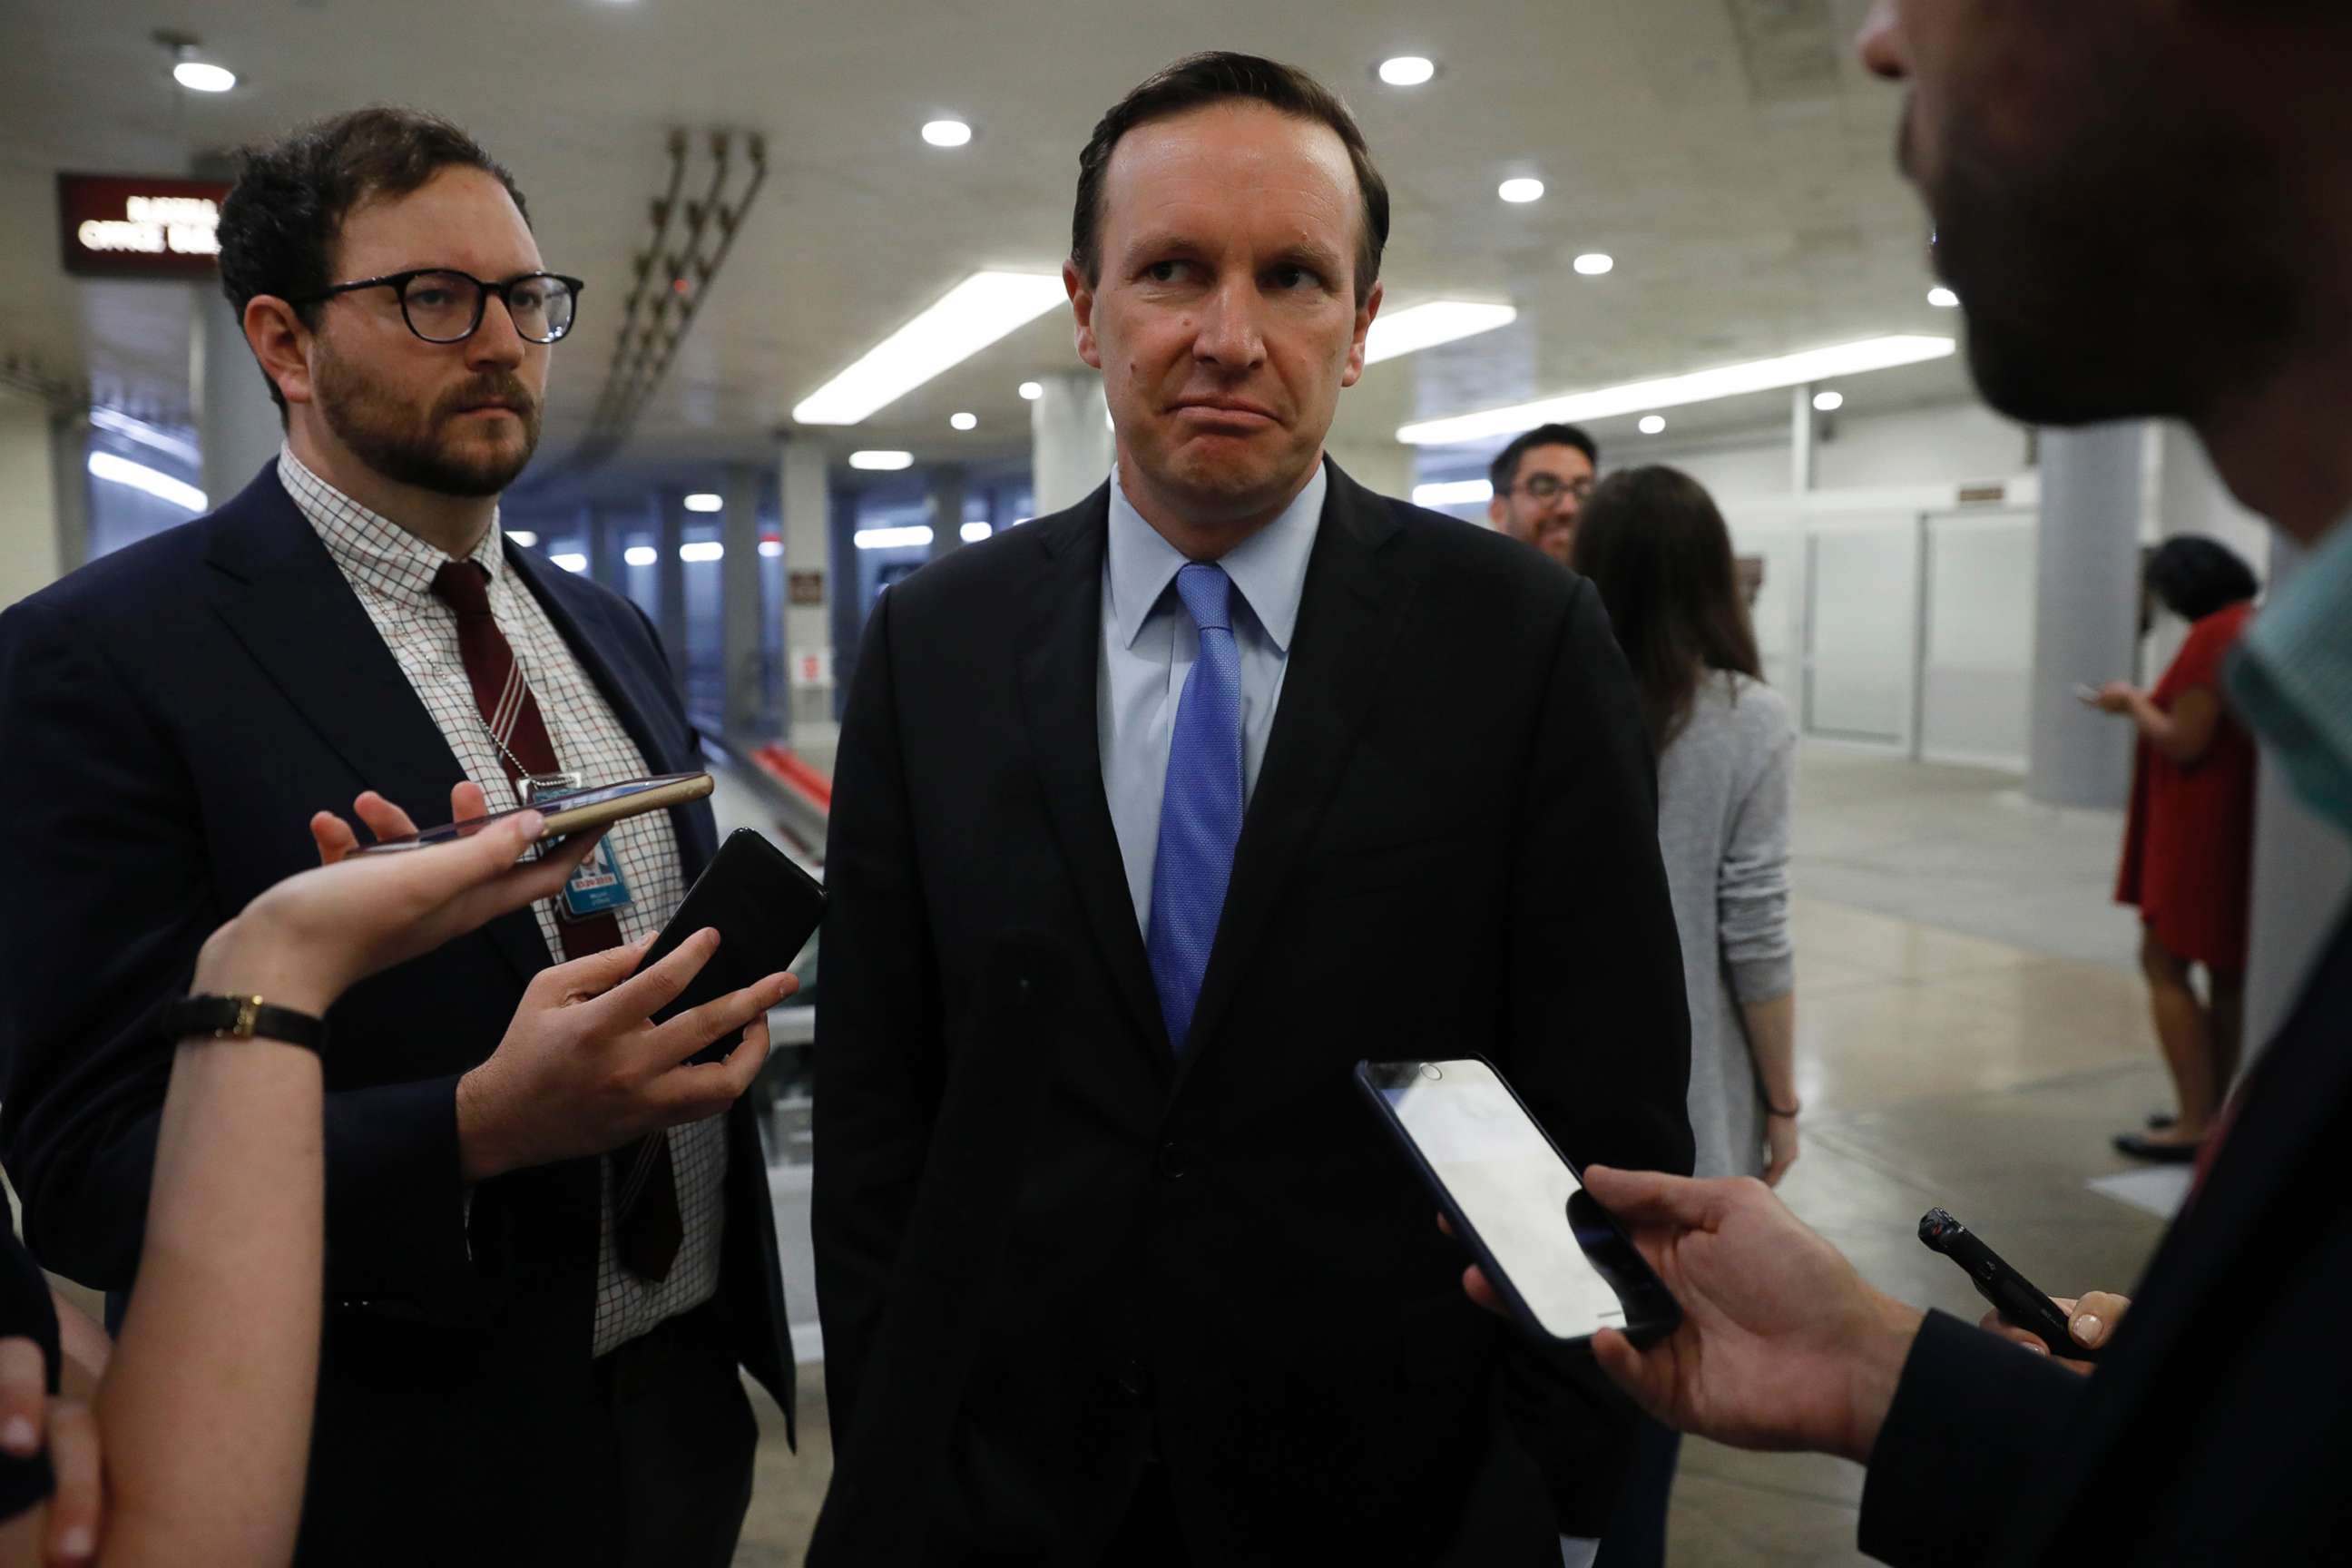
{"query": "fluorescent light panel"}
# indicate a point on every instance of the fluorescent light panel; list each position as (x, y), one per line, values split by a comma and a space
(973, 532)
(1454, 492)
(703, 501)
(912, 536)
(572, 561)
(1678, 391)
(140, 476)
(702, 549)
(975, 313)
(523, 537)
(882, 462)
(641, 556)
(146, 435)
(1426, 326)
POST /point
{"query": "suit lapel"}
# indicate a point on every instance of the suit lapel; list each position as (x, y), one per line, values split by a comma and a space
(285, 601)
(1349, 619)
(1061, 643)
(633, 688)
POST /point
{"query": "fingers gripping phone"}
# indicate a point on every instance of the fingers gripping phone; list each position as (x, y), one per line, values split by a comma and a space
(2017, 1299)
(1561, 1264)
(764, 909)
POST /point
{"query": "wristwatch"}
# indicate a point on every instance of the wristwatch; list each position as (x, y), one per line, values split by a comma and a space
(242, 1018)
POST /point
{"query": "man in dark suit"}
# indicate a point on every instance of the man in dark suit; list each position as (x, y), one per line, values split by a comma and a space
(2100, 284)
(1151, 819)
(549, 1245)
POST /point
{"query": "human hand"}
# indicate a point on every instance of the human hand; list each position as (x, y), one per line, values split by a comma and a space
(582, 1071)
(29, 1421)
(1780, 1148)
(2114, 697)
(1782, 1344)
(2091, 1319)
(304, 942)
(335, 838)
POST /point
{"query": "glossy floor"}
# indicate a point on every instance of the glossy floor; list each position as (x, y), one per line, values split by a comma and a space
(1969, 1034)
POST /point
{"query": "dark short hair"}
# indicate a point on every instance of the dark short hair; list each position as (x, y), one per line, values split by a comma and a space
(1655, 547)
(1505, 469)
(1219, 76)
(279, 224)
(2193, 576)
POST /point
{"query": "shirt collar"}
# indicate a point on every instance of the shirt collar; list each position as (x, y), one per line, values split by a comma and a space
(2292, 677)
(1268, 568)
(369, 546)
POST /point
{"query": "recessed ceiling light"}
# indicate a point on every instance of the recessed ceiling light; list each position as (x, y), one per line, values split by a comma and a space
(703, 501)
(571, 560)
(1943, 298)
(1407, 70)
(963, 421)
(1596, 264)
(1031, 391)
(947, 132)
(1426, 326)
(702, 549)
(641, 556)
(973, 532)
(912, 536)
(971, 316)
(1522, 191)
(523, 537)
(1829, 402)
(770, 548)
(1654, 425)
(1835, 363)
(882, 462)
(198, 77)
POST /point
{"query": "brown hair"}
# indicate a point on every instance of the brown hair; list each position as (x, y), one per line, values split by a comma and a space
(1219, 76)
(1653, 543)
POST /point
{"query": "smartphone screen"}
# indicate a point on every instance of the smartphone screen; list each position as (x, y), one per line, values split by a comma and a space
(1569, 1267)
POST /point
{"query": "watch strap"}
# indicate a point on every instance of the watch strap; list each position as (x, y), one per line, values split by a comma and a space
(243, 1018)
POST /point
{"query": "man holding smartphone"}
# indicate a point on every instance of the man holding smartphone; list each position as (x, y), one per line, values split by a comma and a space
(549, 1243)
(2049, 142)
(1230, 776)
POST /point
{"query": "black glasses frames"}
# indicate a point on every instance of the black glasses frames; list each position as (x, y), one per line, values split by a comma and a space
(442, 305)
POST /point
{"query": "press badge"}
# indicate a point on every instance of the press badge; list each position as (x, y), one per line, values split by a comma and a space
(597, 886)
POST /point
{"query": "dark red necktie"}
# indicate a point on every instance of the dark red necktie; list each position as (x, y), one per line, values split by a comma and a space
(647, 1227)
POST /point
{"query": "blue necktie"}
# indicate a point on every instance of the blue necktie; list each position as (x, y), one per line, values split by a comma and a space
(1200, 809)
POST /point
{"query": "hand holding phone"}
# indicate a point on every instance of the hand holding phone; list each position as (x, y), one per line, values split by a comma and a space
(569, 814)
(1563, 1266)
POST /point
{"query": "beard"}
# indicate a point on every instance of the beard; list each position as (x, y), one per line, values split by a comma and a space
(432, 449)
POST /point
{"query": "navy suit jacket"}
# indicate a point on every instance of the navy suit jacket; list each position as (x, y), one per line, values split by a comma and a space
(172, 715)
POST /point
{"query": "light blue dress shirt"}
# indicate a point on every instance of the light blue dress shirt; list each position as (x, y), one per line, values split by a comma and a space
(1149, 644)
(2291, 677)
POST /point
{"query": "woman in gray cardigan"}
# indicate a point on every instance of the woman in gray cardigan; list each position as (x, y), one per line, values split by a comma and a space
(1654, 545)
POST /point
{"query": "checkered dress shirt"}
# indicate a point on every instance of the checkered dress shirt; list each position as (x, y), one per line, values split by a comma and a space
(391, 570)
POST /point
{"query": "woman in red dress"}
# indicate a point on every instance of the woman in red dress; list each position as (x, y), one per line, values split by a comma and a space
(2188, 849)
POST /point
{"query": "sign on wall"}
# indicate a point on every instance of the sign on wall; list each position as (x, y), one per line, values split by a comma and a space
(139, 226)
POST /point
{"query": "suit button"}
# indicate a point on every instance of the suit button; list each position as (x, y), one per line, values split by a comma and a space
(1131, 1378)
(1173, 1162)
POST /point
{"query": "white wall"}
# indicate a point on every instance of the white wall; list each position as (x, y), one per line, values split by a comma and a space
(28, 511)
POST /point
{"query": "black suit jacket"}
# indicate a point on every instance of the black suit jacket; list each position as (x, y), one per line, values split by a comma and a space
(172, 714)
(2217, 1425)
(1047, 1248)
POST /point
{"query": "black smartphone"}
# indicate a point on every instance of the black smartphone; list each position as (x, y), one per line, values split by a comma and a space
(569, 814)
(764, 909)
(1564, 1266)
(2017, 1299)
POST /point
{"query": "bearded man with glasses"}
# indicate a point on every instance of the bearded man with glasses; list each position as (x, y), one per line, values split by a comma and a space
(550, 1245)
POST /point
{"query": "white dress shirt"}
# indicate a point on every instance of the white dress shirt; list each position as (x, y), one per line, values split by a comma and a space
(1149, 643)
(390, 571)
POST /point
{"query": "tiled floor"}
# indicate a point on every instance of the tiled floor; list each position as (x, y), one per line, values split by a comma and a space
(1978, 1062)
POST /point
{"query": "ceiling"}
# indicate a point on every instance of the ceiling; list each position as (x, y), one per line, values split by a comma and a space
(1730, 153)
